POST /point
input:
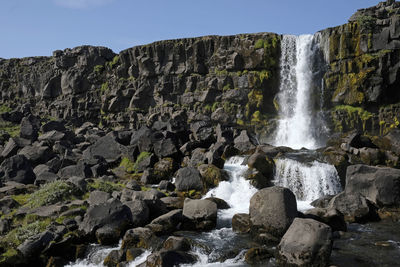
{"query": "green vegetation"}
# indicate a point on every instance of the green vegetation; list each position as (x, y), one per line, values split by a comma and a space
(366, 22)
(114, 62)
(128, 165)
(19, 234)
(104, 87)
(5, 108)
(12, 129)
(354, 116)
(51, 193)
(98, 69)
(132, 167)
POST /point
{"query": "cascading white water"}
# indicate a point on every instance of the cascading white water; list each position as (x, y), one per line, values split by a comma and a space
(298, 126)
(308, 181)
(237, 192)
(294, 126)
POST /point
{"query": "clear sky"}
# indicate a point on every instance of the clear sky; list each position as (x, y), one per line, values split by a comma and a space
(38, 27)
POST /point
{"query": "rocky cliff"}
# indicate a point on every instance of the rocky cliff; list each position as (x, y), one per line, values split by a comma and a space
(221, 79)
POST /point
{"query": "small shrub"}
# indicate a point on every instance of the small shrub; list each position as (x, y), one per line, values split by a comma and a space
(105, 186)
(104, 87)
(51, 193)
(98, 69)
(18, 235)
(366, 22)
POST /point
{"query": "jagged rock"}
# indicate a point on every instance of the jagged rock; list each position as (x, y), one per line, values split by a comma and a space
(53, 136)
(198, 157)
(173, 202)
(200, 214)
(106, 147)
(139, 238)
(331, 217)
(34, 246)
(354, 207)
(79, 182)
(379, 185)
(151, 199)
(166, 223)
(111, 213)
(177, 243)
(262, 163)
(80, 170)
(272, 210)
(30, 128)
(392, 141)
(165, 168)
(10, 149)
(244, 143)
(140, 212)
(241, 223)
(37, 154)
(212, 175)
(165, 148)
(306, 243)
(17, 169)
(188, 178)
(98, 197)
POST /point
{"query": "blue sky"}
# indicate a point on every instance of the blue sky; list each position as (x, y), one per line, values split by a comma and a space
(38, 27)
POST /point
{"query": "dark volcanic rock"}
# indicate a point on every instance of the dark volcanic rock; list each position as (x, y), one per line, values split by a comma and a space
(111, 213)
(379, 185)
(306, 243)
(200, 214)
(17, 169)
(188, 178)
(272, 210)
(106, 147)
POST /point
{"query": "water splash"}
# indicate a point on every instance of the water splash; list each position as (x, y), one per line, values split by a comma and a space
(308, 181)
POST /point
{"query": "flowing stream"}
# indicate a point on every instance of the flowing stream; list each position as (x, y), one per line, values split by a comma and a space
(301, 171)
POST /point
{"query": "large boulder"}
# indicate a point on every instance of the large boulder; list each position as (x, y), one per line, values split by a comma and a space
(17, 169)
(30, 126)
(244, 142)
(272, 210)
(37, 154)
(106, 147)
(139, 237)
(262, 163)
(111, 213)
(212, 175)
(187, 179)
(306, 243)
(392, 141)
(200, 214)
(355, 207)
(378, 184)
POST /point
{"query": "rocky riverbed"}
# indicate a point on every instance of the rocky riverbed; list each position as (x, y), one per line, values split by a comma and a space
(161, 155)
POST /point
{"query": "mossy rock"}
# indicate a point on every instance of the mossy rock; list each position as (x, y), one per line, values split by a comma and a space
(212, 175)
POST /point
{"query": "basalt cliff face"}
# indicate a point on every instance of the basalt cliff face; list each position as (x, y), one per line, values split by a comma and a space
(221, 79)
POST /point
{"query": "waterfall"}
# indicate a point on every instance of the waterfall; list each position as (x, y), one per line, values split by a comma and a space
(300, 124)
(308, 181)
(295, 125)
